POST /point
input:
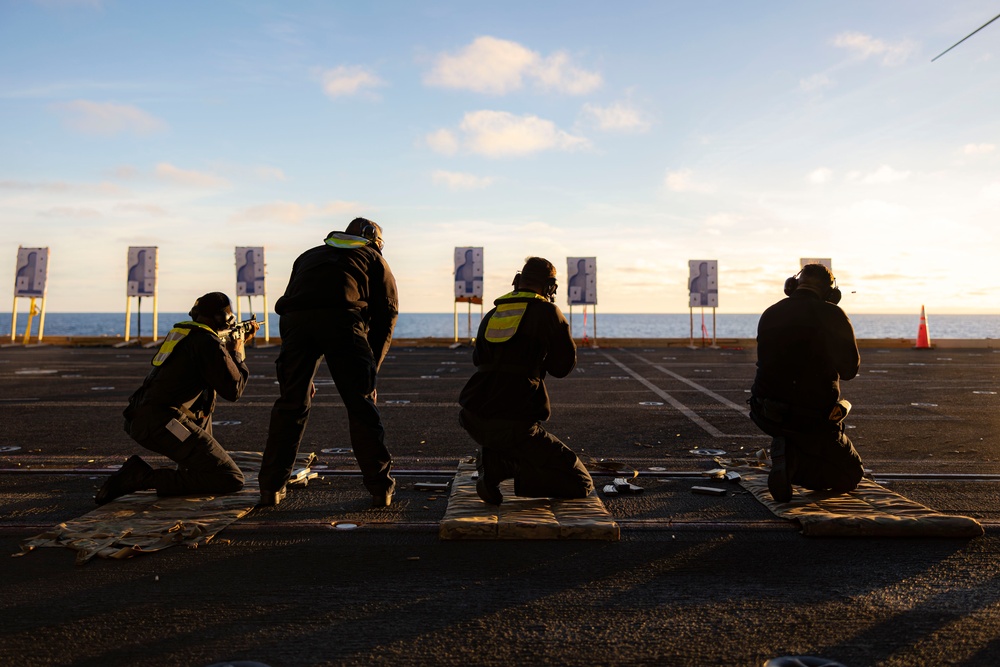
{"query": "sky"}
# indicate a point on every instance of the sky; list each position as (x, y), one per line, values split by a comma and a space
(645, 134)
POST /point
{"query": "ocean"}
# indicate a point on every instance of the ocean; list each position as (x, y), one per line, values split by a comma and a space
(612, 325)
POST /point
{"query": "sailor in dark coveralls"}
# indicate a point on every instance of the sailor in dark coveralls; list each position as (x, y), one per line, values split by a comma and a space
(805, 347)
(503, 404)
(171, 413)
(340, 305)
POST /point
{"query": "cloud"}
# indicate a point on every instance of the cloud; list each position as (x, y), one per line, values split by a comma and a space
(345, 81)
(443, 141)
(617, 117)
(884, 174)
(865, 46)
(502, 134)
(459, 181)
(682, 181)
(820, 176)
(186, 178)
(498, 134)
(497, 66)
(107, 118)
(815, 82)
(292, 213)
(978, 149)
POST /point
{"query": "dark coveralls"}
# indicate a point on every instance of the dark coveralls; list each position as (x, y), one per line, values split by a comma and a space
(171, 414)
(504, 401)
(805, 346)
(340, 305)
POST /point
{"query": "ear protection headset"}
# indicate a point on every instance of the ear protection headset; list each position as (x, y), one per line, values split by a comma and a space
(548, 290)
(215, 312)
(370, 232)
(833, 294)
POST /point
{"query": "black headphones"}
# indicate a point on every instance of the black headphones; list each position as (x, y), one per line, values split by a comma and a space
(548, 291)
(213, 307)
(833, 294)
(370, 232)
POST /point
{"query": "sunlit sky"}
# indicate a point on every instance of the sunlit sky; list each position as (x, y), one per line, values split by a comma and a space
(645, 134)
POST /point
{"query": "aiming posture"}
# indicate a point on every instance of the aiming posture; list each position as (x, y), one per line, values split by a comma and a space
(524, 337)
(171, 413)
(341, 305)
(805, 346)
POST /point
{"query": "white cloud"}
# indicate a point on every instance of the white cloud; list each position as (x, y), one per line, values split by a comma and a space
(459, 181)
(188, 178)
(556, 73)
(865, 46)
(347, 80)
(502, 134)
(443, 141)
(107, 118)
(820, 176)
(682, 181)
(497, 66)
(620, 116)
(815, 82)
(978, 149)
(884, 174)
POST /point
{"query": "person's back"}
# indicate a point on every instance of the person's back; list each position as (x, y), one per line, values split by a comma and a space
(510, 375)
(805, 346)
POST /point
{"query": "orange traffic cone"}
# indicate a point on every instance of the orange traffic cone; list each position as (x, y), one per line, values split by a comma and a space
(923, 338)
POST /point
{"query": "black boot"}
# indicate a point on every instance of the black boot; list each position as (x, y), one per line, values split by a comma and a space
(487, 489)
(779, 480)
(131, 477)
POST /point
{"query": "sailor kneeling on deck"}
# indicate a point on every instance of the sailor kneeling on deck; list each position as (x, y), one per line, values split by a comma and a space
(503, 404)
(171, 413)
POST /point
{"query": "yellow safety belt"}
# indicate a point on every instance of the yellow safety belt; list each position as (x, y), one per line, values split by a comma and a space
(507, 317)
(176, 335)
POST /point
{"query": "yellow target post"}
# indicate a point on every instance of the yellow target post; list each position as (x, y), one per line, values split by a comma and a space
(30, 283)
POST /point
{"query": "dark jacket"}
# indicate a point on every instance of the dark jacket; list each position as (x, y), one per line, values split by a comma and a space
(805, 346)
(509, 380)
(348, 279)
(187, 382)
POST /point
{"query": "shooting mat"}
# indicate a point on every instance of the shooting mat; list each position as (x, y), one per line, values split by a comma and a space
(469, 518)
(871, 510)
(143, 522)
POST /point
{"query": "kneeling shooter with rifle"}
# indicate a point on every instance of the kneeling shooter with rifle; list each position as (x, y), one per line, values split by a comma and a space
(171, 413)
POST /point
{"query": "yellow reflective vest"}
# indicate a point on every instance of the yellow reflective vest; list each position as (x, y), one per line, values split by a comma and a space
(505, 320)
(176, 335)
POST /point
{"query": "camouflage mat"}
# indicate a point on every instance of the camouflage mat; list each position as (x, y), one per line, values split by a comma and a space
(870, 510)
(469, 518)
(142, 522)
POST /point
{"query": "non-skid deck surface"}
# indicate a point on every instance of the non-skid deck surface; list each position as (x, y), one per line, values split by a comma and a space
(870, 510)
(469, 518)
(142, 522)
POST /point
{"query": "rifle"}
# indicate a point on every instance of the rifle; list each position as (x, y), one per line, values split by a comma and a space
(240, 330)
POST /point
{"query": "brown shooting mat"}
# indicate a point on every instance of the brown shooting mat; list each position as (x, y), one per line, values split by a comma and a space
(871, 510)
(143, 522)
(469, 518)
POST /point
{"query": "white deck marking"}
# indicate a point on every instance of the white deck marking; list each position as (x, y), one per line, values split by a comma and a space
(674, 403)
(708, 392)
